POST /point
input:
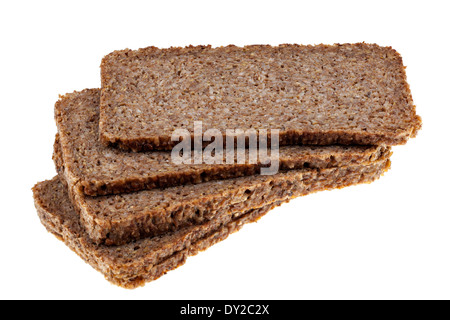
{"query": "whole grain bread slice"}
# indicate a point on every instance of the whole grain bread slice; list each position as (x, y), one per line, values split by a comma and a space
(118, 219)
(132, 265)
(95, 169)
(323, 94)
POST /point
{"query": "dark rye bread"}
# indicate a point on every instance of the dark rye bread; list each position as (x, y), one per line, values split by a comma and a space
(132, 265)
(98, 170)
(118, 219)
(325, 94)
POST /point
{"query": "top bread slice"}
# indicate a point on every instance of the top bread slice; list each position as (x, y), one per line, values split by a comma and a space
(320, 95)
(95, 169)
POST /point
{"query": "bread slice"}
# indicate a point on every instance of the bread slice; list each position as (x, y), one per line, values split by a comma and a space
(98, 170)
(132, 265)
(118, 219)
(323, 94)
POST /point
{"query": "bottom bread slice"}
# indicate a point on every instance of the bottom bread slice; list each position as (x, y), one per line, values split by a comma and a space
(133, 264)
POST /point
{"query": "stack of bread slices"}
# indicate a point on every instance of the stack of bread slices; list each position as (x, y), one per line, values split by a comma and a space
(125, 206)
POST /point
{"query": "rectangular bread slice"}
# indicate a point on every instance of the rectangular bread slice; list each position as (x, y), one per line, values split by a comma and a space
(323, 94)
(118, 219)
(132, 265)
(98, 170)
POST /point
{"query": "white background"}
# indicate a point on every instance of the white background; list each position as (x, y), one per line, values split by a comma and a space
(386, 240)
